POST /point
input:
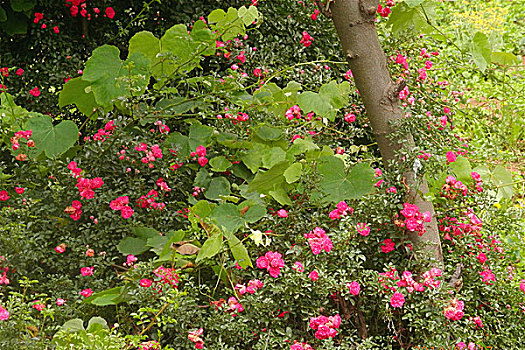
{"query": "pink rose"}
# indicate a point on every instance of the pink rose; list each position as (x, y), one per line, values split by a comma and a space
(314, 276)
(397, 300)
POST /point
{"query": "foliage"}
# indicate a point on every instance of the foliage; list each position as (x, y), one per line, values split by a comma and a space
(216, 193)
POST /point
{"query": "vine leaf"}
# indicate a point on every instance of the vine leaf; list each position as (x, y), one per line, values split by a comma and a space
(53, 140)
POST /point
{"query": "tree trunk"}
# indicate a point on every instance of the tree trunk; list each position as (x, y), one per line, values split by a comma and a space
(354, 22)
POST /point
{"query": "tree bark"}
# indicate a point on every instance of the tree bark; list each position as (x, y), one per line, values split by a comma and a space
(354, 21)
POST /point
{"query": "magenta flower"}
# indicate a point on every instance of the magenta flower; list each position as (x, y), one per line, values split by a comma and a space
(271, 261)
(397, 300)
(363, 229)
(319, 241)
(354, 287)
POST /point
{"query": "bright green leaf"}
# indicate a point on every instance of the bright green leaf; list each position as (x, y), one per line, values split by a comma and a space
(219, 186)
(339, 186)
(73, 325)
(481, 50)
(74, 92)
(53, 140)
(132, 245)
(220, 164)
(293, 173)
(211, 247)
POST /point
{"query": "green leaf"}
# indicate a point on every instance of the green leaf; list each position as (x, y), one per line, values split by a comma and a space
(102, 70)
(293, 173)
(102, 323)
(147, 44)
(211, 247)
(339, 186)
(135, 73)
(182, 51)
(504, 58)
(179, 142)
(266, 180)
(254, 213)
(144, 233)
(273, 156)
(228, 216)
(105, 297)
(253, 159)
(220, 164)
(16, 23)
(481, 50)
(503, 180)
(301, 145)
(413, 3)
(218, 187)
(216, 16)
(199, 135)
(53, 140)
(405, 18)
(73, 325)
(311, 102)
(173, 237)
(203, 178)
(132, 245)
(248, 15)
(462, 169)
(269, 134)
(338, 94)
(3, 15)
(239, 251)
(105, 300)
(280, 195)
(22, 5)
(157, 243)
(74, 92)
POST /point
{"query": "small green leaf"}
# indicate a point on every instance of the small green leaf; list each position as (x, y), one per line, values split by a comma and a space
(97, 321)
(73, 325)
(293, 173)
(211, 247)
(220, 164)
(503, 180)
(481, 50)
(269, 134)
(462, 169)
(505, 58)
(239, 251)
(219, 186)
(413, 3)
(132, 245)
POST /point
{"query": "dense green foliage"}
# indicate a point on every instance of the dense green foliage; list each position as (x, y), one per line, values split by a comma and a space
(189, 150)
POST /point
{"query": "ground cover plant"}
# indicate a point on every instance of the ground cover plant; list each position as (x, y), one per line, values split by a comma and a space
(212, 175)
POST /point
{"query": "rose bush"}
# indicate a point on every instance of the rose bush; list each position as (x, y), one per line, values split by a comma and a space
(237, 208)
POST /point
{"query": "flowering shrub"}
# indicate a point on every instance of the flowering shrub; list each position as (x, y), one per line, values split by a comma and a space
(153, 216)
